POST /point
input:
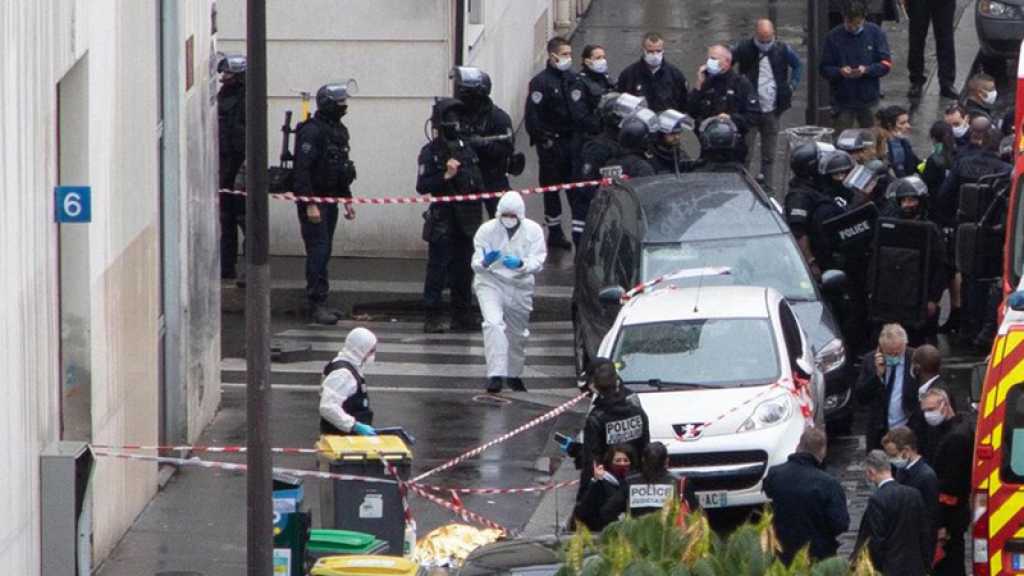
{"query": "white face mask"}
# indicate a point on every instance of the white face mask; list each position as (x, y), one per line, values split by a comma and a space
(713, 66)
(509, 222)
(564, 64)
(370, 358)
(898, 463)
(653, 59)
(599, 66)
(934, 417)
(990, 97)
(961, 130)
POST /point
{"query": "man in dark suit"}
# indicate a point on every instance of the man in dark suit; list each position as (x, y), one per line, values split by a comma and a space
(894, 527)
(887, 385)
(926, 363)
(910, 469)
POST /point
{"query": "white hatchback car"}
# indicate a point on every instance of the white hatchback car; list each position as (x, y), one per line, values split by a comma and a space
(715, 369)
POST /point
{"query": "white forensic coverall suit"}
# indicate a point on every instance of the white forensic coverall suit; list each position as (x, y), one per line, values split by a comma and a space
(338, 386)
(505, 294)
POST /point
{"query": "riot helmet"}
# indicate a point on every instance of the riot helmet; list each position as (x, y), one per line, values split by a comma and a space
(232, 64)
(803, 160)
(837, 164)
(628, 104)
(854, 140)
(471, 85)
(633, 133)
(607, 111)
(671, 125)
(332, 99)
(909, 194)
(718, 135)
(446, 117)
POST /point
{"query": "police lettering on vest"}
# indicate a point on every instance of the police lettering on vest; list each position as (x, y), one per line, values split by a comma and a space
(650, 495)
(620, 431)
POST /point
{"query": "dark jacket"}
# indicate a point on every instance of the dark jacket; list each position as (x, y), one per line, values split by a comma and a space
(725, 93)
(670, 160)
(786, 69)
(646, 495)
(952, 461)
(585, 95)
(975, 109)
(634, 164)
(809, 505)
(806, 210)
(871, 390)
(603, 501)
(917, 423)
(490, 120)
(548, 106)
(895, 531)
(231, 130)
(322, 164)
(936, 167)
(430, 180)
(597, 152)
(870, 48)
(971, 164)
(618, 419)
(664, 89)
(921, 477)
(909, 162)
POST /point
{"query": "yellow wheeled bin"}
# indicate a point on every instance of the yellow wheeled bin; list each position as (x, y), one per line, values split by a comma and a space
(369, 507)
(366, 566)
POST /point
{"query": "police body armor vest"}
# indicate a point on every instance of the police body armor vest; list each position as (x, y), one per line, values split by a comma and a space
(646, 497)
(357, 405)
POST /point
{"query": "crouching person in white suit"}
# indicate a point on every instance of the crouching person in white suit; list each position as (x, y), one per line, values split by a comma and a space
(508, 251)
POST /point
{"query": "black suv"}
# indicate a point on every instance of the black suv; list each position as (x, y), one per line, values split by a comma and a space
(640, 229)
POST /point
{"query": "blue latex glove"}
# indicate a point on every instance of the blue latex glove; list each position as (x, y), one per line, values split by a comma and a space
(491, 257)
(364, 429)
(564, 443)
(511, 261)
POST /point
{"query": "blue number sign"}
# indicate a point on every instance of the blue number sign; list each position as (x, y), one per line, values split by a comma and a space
(73, 204)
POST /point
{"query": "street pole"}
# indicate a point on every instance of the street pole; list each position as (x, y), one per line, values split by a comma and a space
(259, 481)
(813, 59)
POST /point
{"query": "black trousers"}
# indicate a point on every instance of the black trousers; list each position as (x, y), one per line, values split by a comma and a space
(940, 14)
(556, 164)
(953, 563)
(448, 263)
(318, 239)
(232, 217)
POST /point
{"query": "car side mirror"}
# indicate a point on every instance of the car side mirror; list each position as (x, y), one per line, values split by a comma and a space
(833, 281)
(803, 367)
(610, 295)
(978, 372)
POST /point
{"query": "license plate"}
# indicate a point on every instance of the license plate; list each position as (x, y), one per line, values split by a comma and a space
(713, 499)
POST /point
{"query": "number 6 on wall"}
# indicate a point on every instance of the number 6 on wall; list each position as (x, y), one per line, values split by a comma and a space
(73, 204)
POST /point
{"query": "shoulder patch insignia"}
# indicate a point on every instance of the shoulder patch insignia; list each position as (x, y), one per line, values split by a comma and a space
(576, 95)
(423, 168)
(536, 97)
(793, 212)
(307, 147)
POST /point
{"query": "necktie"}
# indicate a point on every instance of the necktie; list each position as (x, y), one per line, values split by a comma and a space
(890, 381)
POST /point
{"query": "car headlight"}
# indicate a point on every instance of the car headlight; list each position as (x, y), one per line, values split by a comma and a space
(768, 413)
(994, 9)
(831, 356)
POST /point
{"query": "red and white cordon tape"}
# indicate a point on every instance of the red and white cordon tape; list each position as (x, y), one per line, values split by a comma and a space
(425, 199)
(678, 275)
(462, 512)
(504, 437)
(500, 491)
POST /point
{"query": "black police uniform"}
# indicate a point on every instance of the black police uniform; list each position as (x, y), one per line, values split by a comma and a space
(971, 165)
(592, 86)
(635, 163)
(231, 137)
(726, 93)
(597, 151)
(450, 226)
(484, 118)
(807, 208)
(322, 168)
(646, 495)
(549, 122)
(356, 405)
(666, 88)
(666, 160)
(941, 15)
(618, 419)
(954, 444)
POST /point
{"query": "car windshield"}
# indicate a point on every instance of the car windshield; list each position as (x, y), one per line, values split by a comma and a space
(771, 261)
(724, 352)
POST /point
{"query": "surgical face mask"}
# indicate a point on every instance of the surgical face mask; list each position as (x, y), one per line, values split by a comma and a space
(599, 66)
(764, 46)
(653, 59)
(713, 66)
(892, 360)
(990, 97)
(563, 63)
(961, 130)
(898, 462)
(934, 417)
(509, 222)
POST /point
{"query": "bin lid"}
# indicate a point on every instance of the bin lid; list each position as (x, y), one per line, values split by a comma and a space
(340, 541)
(391, 448)
(364, 566)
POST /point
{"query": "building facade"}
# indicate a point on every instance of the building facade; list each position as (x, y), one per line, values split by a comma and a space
(110, 329)
(400, 53)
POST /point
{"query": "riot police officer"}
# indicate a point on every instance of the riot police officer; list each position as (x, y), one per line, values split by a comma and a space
(488, 129)
(597, 151)
(809, 204)
(549, 122)
(667, 154)
(634, 143)
(323, 168)
(720, 145)
(449, 166)
(231, 137)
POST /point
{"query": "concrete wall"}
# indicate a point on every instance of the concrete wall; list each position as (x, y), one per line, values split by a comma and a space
(400, 52)
(42, 40)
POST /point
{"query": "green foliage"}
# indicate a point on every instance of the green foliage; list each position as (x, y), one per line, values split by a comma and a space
(662, 545)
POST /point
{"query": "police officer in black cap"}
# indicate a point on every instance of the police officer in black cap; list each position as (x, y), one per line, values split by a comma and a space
(552, 130)
(667, 154)
(720, 145)
(634, 142)
(323, 168)
(488, 129)
(231, 137)
(448, 166)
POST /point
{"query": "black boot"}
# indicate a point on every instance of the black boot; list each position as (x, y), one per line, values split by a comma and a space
(516, 384)
(434, 324)
(556, 239)
(321, 315)
(494, 384)
(464, 322)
